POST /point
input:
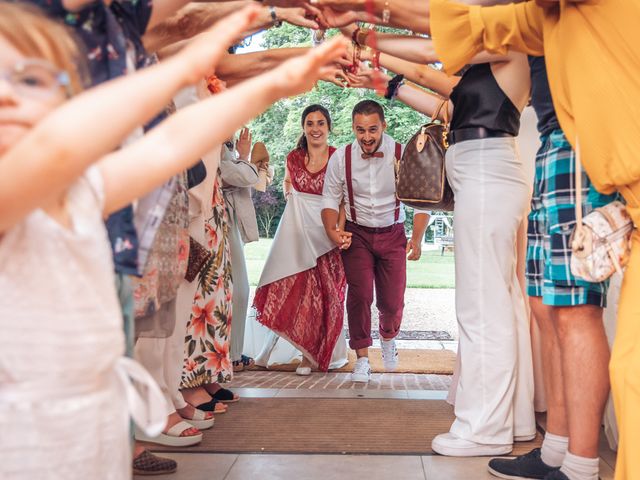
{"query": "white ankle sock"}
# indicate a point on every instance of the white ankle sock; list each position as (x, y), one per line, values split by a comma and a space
(580, 468)
(554, 448)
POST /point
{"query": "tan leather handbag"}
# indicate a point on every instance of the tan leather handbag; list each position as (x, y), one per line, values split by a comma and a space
(421, 181)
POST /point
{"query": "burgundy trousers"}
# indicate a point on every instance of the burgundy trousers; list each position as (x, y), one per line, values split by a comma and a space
(377, 256)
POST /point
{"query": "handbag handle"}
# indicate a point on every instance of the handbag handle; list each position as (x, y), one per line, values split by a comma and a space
(445, 114)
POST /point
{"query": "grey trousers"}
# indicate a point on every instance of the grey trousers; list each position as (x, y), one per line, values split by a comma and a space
(240, 290)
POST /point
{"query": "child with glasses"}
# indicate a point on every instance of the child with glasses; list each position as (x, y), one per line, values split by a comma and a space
(65, 390)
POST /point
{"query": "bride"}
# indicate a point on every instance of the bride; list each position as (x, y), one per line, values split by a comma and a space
(300, 295)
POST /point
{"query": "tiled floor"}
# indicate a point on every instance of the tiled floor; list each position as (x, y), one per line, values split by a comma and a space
(196, 466)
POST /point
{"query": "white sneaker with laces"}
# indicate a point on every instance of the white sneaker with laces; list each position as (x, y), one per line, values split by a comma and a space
(361, 371)
(389, 354)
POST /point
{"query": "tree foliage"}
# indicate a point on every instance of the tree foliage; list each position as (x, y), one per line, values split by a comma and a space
(280, 126)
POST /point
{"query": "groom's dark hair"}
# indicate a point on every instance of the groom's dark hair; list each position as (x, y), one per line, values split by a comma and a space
(368, 107)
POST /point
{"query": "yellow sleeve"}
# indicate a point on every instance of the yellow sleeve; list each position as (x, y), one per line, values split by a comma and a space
(460, 31)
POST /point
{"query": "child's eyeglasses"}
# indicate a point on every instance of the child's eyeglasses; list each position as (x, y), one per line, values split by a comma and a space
(36, 78)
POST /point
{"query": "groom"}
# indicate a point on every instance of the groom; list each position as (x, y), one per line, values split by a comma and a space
(373, 243)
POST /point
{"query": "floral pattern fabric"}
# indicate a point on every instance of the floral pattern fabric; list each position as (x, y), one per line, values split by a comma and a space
(166, 265)
(206, 355)
(307, 308)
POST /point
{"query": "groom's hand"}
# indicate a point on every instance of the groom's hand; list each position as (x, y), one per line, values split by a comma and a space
(340, 238)
(414, 250)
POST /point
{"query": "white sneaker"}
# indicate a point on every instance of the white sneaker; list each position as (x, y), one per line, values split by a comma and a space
(362, 371)
(303, 371)
(389, 354)
(450, 445)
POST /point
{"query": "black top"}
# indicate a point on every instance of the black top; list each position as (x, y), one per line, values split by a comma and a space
(480, 102)
(541, 96)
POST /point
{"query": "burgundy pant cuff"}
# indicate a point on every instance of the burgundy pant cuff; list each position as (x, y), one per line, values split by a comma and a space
(362, 343)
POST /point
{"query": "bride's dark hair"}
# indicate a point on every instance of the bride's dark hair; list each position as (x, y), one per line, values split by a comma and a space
(302, 142)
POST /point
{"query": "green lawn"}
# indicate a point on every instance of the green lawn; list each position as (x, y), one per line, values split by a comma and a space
(431, 271)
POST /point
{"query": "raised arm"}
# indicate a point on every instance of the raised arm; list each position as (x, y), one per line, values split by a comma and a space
(423, 75)
(410, 94)
(197, 17)
(407, 47)
(60, 148)
(235, 68)
(187, 22)
(412, 48)
(413, 15)
(184, 137)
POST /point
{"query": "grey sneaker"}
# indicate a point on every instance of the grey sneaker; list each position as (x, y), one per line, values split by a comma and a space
(389, 354)
(529, 466)
(361, 371)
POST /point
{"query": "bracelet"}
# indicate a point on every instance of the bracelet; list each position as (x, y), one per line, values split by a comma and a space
(386, 13)
(375, 61)
(354, 35)
(274, 16)
(361, 36)
(355, 60)
(392, 88)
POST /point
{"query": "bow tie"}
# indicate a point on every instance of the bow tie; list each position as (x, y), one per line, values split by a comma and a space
(373, 155)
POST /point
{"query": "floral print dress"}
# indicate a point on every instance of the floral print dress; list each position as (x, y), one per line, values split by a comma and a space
(206, 345)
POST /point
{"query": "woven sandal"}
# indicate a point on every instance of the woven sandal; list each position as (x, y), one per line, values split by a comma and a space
(200, 420)
(172, 437)
(149, 464)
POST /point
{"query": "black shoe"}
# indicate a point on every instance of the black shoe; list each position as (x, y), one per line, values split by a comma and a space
(528, 466)
(557, 475)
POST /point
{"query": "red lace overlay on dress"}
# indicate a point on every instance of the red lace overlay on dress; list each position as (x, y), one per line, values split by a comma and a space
(307, 308)
(301, 178)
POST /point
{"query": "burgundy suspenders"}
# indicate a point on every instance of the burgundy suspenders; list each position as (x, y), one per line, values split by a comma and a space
(396, 214)
(349, 178)
(352, 208)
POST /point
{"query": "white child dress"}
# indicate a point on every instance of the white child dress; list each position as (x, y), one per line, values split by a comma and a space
(65, 390)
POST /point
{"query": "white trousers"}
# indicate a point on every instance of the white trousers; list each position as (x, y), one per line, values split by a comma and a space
(494, 399)
(153, 354)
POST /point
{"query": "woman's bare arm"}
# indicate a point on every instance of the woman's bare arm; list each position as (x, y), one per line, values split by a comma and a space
(197, 17)
(410, 94)
(287, 187)
(234, 69)
(412, 48)
(423, 75)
